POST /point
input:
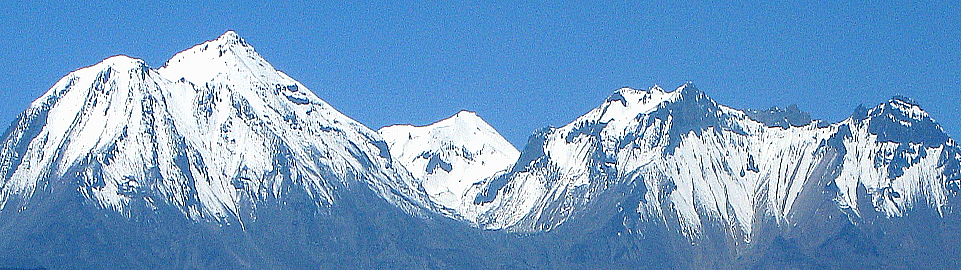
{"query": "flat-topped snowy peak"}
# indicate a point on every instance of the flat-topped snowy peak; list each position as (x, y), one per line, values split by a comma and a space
(450, 155)
(212, 134)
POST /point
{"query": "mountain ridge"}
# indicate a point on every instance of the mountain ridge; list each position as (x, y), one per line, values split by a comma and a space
(224, 161)
(728, 121)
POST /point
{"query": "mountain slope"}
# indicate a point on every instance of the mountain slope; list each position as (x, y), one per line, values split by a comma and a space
(735, 188)
(695, 164)
(214, 133)
(451, 155)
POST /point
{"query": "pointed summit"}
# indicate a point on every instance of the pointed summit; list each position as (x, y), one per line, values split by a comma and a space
(688, 93)
(227, 39)
(689, 90)
(901, 119)
(229, 53)
(230, 35)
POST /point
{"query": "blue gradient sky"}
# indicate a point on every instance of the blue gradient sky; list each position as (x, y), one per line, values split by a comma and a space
(521, 66)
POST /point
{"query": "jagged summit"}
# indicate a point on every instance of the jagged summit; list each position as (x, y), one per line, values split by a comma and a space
(693, 160)
(656, 88)
(688, 86)
(901, 120)
(906, 106)
(781, 117)
(640, 101)
(687, 92)
(902, 98)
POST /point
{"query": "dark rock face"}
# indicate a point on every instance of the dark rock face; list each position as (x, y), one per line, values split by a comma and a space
(784, 118)
(694, 112)
(901, 120)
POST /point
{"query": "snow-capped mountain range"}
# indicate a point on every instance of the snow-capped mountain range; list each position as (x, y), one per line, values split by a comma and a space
(255, 170)
(697, 161)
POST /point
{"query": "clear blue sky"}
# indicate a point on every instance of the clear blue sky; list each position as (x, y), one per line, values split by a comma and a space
(521, 66)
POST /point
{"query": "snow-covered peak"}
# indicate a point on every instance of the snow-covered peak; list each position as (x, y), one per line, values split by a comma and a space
(897, 107)
(121, 62)
(212, 134)
(655, 88)
(231, 37)
(693, 160)
(114, 63)
(215, 59)
(463, 121)
(450, 155)
(644, 101)
(101, 71)
(627, 102)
